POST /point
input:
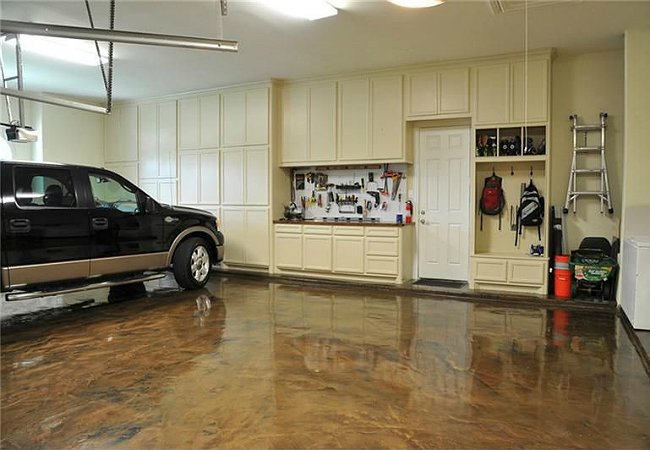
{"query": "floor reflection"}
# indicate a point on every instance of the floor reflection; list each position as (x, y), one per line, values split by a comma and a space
(251, 364)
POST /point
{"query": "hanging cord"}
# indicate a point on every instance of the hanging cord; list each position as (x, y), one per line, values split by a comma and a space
(108, 79)
(4, 81)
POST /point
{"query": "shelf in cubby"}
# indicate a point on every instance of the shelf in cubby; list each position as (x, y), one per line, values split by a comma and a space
(509, 159)
(511, 255)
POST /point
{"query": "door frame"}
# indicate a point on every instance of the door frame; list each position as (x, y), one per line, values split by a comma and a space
(441, 124)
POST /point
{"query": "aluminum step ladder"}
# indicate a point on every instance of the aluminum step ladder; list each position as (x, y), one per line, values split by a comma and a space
(603, 193)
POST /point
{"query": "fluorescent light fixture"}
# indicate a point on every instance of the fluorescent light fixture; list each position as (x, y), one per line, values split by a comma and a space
(70, 50)
(304, 9)
(417, 3)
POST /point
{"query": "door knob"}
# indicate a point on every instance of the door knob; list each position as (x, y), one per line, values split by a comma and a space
(422, 221)
(423, 212)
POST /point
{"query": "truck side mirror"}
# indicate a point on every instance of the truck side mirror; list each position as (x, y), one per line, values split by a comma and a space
(150, 205)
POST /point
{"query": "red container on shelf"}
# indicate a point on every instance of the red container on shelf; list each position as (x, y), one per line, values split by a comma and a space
(562, 277)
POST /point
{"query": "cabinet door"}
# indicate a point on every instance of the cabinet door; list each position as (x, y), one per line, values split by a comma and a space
(188, 123)
(209, 124)
(232, 176)
(121, 135)
(528, 273)
(353, 119)
(234, 118)
(233, 227)
(127, 170)
(317, 252)
(167, 139)
(148, 140)
(348, 255)
(257, 117)
(209, 177)
(167, 191)
(453, 91)
(322, 122)
(386, 118)
(294, 124)
(257, 237)
(530, 91)
(492, 94)
(490, 270)
(256, 175)
(288, 251)
(422, 94)
(189, 176)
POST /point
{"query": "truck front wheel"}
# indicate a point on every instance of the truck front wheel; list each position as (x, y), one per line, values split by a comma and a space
(192, 264)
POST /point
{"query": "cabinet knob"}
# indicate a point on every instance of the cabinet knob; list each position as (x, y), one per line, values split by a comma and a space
(422, 221)
(423, 212)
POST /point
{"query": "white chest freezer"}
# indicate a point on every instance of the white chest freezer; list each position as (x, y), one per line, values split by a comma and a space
(635, 279)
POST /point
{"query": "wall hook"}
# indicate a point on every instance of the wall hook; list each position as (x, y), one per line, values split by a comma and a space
(512, 171)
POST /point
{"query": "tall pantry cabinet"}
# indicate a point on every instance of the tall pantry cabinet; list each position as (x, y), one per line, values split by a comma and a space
(511, 122)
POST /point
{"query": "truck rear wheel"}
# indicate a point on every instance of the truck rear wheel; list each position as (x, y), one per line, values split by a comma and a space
(192, 264)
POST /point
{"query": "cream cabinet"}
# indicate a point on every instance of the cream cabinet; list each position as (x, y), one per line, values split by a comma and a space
(344, 252)
(121, 135)
(199, 174)
(288, 246)
(370, 119)
(246, 235)
(245, 176)
(128, 170)
(317, 248)
(348, 254)
(199, 122)
(512, 92)
(437, 93)
(508, 273)
(157, 139)
(161, 189)
(308, 123)
(245, 117)
(530, 91)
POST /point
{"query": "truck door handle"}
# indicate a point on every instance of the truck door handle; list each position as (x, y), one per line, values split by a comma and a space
(100, 223)
(20, 225)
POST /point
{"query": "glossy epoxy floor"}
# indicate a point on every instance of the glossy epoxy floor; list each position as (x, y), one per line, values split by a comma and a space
(246, 364)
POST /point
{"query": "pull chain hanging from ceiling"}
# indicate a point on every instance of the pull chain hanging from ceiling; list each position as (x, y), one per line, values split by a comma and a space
(108, 78)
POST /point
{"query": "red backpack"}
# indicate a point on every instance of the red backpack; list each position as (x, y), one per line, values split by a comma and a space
(492, 199)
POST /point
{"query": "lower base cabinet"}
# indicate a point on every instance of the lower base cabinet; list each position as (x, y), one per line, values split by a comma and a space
(519, 274)
(344, 252)
(246, 235)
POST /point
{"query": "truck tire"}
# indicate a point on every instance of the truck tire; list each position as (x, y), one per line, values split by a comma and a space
(192, 264)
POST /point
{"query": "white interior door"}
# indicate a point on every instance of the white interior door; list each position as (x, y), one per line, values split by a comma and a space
(442, 211)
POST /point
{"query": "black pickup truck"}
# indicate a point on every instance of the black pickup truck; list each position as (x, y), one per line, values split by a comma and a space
(67, 227)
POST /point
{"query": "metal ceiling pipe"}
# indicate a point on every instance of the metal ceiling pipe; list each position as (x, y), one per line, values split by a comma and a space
(126, 37)
(53, 100)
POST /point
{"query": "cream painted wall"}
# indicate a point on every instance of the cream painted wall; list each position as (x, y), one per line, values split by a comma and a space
(585, 85)
(72, 136)
(636, 197)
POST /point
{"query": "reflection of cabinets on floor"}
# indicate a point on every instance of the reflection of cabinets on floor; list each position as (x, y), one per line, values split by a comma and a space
(344, 252)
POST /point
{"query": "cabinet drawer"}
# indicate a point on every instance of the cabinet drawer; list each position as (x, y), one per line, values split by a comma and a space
(316, 229)
(494, 270)
(294, 229)
(529, 273)
(381, 265)
(382, 246)
(382, 232)
(348, 231)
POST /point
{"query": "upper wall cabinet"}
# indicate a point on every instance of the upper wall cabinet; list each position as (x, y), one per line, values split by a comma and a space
(121, 135)
(437, 93)
(157, 139)
(515, 92)
(245, 117)
(308, 124)
(370, 119)
(198, 122)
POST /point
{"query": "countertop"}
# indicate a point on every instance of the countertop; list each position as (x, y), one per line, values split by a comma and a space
(341, 223)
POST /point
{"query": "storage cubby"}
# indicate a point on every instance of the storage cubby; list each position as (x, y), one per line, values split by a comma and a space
(490, 240)
(510, 142)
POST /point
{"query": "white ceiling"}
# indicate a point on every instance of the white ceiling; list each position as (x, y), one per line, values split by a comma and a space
(364, 35)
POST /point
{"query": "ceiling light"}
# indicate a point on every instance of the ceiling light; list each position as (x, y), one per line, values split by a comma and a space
(70, 50)
(417, 3)
(304, 9)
